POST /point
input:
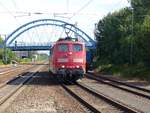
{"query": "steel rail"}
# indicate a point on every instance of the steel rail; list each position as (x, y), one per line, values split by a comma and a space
(13, 79)
(123, 83)
(83, 102)
(119, 87)
(26, 79)
(6, 97)
(109, 100)
(16, 77)
(9, 70)
(15, 69)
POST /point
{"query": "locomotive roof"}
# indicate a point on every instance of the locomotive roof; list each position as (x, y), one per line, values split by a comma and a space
(64, 42)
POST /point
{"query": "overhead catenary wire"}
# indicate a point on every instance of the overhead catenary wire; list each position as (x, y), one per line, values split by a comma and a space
(14, 3)
(12, 15)
(61, 15)
(9, 12)
(83, 7)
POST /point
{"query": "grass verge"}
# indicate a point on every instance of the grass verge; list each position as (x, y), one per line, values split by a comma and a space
(126, 71)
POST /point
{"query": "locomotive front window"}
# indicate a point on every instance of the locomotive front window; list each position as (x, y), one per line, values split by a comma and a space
(63, 48)
(77, 47)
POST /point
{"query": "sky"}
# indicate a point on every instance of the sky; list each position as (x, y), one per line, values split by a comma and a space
(86, 13)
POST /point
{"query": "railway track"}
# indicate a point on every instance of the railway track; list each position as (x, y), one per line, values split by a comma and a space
(142, 92)
(11, 70)
(121, 93)
(8, 70)
(122, 83)
(12, 79)
(13, 86)
(10, 76)
(108, 103)
(2, 69)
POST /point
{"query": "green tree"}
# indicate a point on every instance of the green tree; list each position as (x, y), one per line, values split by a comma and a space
(120, 31)
(1, 40)
(141, 10)
(1, 50)
(113, 35)
(143, 42)
(10, 54)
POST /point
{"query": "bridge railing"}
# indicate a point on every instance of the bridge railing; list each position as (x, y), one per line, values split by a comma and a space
(32, 44)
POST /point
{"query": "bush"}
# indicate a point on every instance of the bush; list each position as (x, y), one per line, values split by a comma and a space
(126, 71)
(1, 61)
(24, 60)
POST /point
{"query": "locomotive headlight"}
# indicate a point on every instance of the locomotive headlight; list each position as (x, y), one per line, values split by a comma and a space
(63, 66)
(70, 53)
(77, 66)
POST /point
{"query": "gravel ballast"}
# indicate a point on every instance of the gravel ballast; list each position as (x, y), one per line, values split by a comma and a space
(119, 95)
(44, 95)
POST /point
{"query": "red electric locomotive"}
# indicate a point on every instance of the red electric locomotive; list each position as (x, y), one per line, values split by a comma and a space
(68, 59)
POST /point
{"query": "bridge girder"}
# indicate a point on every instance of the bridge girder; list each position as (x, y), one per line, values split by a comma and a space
(42, 22)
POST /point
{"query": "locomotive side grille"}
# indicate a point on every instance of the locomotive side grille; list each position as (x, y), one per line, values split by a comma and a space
(62, 60)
